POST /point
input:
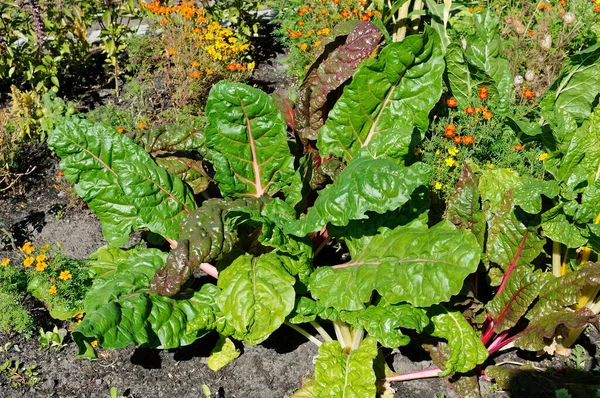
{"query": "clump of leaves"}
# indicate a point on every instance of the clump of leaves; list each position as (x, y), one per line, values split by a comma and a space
(19, 375)
(52, 339)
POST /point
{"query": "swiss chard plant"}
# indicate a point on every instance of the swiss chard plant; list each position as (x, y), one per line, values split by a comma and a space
(250, 254)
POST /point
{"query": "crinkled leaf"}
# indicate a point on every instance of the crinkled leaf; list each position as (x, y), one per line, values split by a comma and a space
(223, 354)
(120, 309)
(557, 293)
(464, 207)
(510, 242)
(559, 227)
(485, 56)
(399, 88)
(421, 267)
(578, 85)
(462, 85)
(188, 170)
(205, 236)
(528, 196)
(106, 259)
(521, 289)
(384, 320)
(340, 375)
(589, 209)
(257, 295)
(466, 386)
(307, 310)
(540, 332)
(365, 185)
(466, 349)
(170, 138)
(246, 138)
(119, 181)
(340, 65)
(493, 185)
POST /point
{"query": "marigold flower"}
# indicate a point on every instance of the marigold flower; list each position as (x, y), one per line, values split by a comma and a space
(530, 32)
(438, 186)
(171, 51)
(79, 315)
(483, 93)
(195, 64)
(470, 110)
(40, 258)
(41, 266)
(479, 8)
(195, 74)
(452, 103)
(45, 248)
(120, 129)
(94, 343)
(345, 14)
(27, 248)
(487, 115)
(467, 140)
(450, 130)
(52, 289)
(60, 174)
(543, 156)
(251, 65)
(596, 8)
(208, 71)
(142, 126)
(52, 280)
(457, 140)
(5, 262)
(528, 94)
(65, 275)
(518, 147)
(28, 261)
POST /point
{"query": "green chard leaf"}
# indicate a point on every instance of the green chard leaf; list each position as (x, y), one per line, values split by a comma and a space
(223, 354)
(558, 226)
(120, 310)
(170, 139)
(382, 321)
(464, 207)
(465, 385)
(307, 310)
(205, 236)
(528, 196)
(120, 182)
(466, 349)
(485, 57)
(521, 289)
(340, 65)
(511, 243)
(414, 265)
(188, 170)
(365, 185)
(246, 139)
(388, 100)
(540, 331)
(557, 293)
(338, 374)
(257, 295)
(578, 85)
(462, 85)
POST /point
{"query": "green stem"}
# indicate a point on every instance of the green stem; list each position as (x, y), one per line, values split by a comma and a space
(321, 331)
(304, 333)
(342, 332)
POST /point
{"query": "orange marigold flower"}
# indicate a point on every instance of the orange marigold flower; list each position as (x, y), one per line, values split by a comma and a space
(301, 23)
(60, 173)
(28, 261)
(467, 140)
(450, 130)
(120, 129)
(40, 258)
(345, 14)
(487, 115)
(40, 266)
(65, 275)
(452, 103)
(52, 289)
(231, 67)
(563, 2)
(528, 94)
(142, 126)
(79, 315)
(530, 32)
(94, 343)
(5, 262)
(27, 248)
(596, 8)
(195, 74)
(195, 64)
(483, 93)
(479, 8)
(171, 51)
(518, 147)
(457, 140)
(470, 110)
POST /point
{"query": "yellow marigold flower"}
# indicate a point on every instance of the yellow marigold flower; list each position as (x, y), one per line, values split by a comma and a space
(94, 343)
(52, 289)
(453, 151)
(41, 266)
(450, 162)
(544, 156)
(5, 262)
(437, 152)
(142, 126)
(40, 258)
(251, 65)
(45, 248)
(27, 248)
(438, 185)
(65, 275)
(195, 64)
(28, 261)
(208, 71)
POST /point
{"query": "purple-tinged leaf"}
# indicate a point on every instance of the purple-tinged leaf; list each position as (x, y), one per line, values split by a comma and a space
(511, 304)
(557, 293)
(464, 208)
(465, 385)
(540, 332)
(339, 66)
(286, 107)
